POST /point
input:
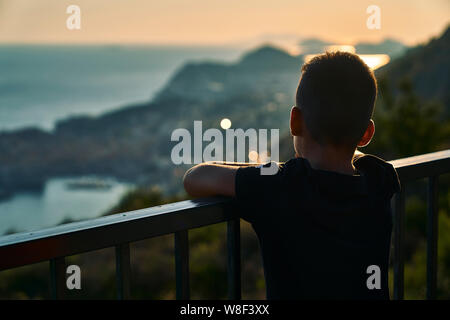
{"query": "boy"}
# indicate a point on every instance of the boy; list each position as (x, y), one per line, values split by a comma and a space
(324, 219)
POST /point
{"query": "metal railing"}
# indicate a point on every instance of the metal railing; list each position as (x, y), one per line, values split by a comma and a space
(119, 230)
(429, 166)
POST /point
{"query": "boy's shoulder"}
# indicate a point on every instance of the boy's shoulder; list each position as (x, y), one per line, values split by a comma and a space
(377, 173)
(372, 162)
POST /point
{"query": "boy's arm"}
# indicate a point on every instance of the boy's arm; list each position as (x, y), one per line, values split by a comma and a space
(212, 179)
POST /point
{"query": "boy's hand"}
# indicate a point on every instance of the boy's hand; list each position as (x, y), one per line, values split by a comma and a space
(212, 179)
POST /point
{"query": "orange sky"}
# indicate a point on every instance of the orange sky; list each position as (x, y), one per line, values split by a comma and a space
(213, 22)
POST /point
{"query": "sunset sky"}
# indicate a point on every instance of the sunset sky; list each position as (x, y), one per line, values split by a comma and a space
(212, 22)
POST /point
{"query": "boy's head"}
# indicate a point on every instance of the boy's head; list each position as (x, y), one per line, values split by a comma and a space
(335, 100)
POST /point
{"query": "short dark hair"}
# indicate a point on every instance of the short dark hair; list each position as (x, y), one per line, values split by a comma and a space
(336, 94)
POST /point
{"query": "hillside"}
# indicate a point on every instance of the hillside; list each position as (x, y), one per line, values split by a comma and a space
(427, 66)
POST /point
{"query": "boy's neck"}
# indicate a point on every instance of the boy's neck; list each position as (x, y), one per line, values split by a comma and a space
(330, 159)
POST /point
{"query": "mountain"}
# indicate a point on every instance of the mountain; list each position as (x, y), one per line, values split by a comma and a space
(314, 45)
(428, 68)
(259, 70)
(134, 143)
(391, 47)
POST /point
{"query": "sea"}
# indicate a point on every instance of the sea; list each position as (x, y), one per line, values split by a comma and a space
(41, 84)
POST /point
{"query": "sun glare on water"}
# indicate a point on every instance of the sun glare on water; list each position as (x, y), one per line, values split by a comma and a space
(341, 47)
(374, 61)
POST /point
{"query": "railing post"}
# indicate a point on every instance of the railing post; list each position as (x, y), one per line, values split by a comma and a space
(123, 271)
(432, 236)
(182, 265)
(399, 239)
(57, 278)
(234, 259)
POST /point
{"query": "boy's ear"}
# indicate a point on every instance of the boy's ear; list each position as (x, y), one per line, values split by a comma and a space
(368, 134)
(296, 121)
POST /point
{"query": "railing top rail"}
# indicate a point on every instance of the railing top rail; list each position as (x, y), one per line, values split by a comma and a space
(77, 237)
(425, 165)
(73, 238)
(423, 158)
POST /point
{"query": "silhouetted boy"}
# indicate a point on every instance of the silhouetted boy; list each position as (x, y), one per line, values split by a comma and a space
(324, 219)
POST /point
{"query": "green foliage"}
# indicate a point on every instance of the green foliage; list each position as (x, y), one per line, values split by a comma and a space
(143, 198)
(415, 268)
(406, 125)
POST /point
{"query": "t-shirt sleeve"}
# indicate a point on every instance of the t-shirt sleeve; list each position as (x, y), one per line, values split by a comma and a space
(392, 180)
(255, 191)
(382, 172)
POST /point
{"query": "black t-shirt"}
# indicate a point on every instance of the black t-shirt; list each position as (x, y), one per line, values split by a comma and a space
(319, 231)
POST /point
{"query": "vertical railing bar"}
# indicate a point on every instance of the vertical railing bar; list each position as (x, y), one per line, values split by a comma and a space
(57, 278)
(123, 271)
(432, 236)
(182, 265)
(399, 217)
(234, 259)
